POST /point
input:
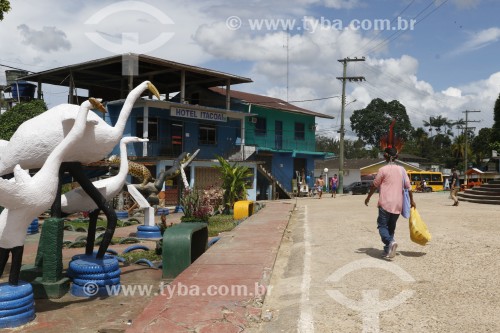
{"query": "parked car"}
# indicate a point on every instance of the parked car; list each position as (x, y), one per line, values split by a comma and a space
(362, 187)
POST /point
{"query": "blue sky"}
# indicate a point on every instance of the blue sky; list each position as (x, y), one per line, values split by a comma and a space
(446, 64)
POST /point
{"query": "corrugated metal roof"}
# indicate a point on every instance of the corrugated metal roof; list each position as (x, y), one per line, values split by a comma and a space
(268, 102)
(105, 77)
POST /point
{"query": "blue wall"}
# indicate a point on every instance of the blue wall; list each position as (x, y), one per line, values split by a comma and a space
(227, 132)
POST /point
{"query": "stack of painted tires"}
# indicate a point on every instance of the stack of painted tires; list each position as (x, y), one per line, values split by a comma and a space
(17, 305)
(33, 227)
(148, 231)
(94, 277)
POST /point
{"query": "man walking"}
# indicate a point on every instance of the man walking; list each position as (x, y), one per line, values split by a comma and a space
(390, 180)
(455, 186)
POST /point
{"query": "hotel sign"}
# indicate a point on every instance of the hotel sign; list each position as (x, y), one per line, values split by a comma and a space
(197, 114)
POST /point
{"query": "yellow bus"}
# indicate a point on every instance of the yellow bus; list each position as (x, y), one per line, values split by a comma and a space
(433, 179)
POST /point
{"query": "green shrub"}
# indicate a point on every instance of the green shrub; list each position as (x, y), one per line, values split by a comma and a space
(12, 119)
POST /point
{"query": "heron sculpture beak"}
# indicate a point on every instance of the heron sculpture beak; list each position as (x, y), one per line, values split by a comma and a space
(96, 104)
(153, 90)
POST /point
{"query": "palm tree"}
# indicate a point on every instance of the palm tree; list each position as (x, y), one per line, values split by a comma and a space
(438, 122)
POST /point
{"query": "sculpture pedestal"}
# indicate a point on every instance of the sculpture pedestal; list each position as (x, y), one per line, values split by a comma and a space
(94, 277)
(46, 273)
(148, 231)
(17, 305)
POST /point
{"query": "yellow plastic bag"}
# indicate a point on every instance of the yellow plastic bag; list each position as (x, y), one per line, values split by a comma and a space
(418, 229)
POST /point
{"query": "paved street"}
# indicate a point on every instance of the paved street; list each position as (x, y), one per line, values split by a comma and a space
(329, 276)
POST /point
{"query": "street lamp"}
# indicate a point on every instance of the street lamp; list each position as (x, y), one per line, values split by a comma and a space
(325, 170)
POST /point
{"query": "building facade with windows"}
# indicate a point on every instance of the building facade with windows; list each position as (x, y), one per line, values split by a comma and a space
(198, 112)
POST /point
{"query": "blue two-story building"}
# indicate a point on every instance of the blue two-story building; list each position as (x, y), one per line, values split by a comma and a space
(273, 138)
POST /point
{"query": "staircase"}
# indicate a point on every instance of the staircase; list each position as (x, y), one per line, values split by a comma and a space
(241, 155)
(279, 191)
(485, 194)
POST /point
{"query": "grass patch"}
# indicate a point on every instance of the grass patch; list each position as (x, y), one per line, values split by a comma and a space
(220, 223)
(85, 223)
(133, 256)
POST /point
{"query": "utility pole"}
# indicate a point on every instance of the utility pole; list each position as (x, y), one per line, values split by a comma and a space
(344, 78)
(467, 121)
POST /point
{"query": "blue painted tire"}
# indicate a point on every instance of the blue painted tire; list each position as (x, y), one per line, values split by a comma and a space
(145, 261)
(17, 320)
(120, 259)
(17, 303)
(149, 234)
(84, 256)
(21, 309)
(213, 241)
(93, 266)
(122, 215)
(148, 228)
(81, 291)
(99, 276)
(100, 283)
(161, 211)
(135, 247)
(9, 292)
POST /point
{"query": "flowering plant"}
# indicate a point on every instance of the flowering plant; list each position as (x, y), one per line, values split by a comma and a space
(200, 205)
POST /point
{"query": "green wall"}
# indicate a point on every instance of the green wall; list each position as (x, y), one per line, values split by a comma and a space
(289, 142)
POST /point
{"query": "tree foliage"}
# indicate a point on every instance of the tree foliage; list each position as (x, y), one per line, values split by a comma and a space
(352, 148)
(495, 134)
(4, 8)
(11, 119)
(372, 122)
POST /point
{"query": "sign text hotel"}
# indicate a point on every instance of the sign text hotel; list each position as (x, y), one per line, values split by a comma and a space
(197, 114)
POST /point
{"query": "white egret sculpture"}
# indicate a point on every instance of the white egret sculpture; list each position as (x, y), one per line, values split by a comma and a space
(78, 200)
(26, 197)
(36, 138)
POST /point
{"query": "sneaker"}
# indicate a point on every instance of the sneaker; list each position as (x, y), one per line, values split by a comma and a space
(384, 255)
(392, 249)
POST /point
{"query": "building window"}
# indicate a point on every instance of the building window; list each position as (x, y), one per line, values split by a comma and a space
(260, 126)
(152, 128)
(300, 132)
(207, 135)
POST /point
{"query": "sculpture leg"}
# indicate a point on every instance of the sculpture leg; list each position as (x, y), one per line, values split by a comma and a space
(77, 173)
(15, 268)
(55, 210)
(4, 256)
(91, 232)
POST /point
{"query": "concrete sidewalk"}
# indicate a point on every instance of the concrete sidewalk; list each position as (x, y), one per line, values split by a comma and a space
(223, 290)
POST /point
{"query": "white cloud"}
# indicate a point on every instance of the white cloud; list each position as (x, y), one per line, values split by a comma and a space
(47, 39)
(479, 40)
(201, 35)
(452, 92)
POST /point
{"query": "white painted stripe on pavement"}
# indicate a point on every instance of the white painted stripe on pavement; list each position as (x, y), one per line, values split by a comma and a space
(306, 319)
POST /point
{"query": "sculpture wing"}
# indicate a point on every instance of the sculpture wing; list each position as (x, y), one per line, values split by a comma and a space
(10, 194)
(20, 175)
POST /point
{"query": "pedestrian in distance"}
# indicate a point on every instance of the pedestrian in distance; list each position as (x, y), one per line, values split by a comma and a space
(333, 185)
(320, 182)
(455, 186)
(390, 181)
